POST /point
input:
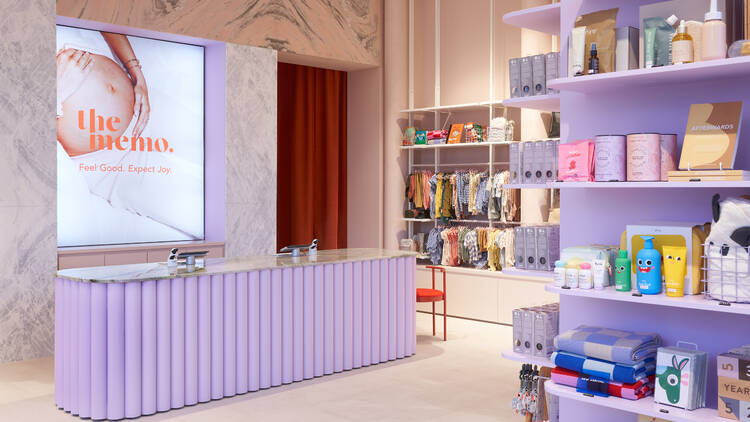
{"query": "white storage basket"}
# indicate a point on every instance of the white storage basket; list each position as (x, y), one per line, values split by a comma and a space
(727, 272)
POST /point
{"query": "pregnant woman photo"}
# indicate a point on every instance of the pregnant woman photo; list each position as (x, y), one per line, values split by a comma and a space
(87, 80)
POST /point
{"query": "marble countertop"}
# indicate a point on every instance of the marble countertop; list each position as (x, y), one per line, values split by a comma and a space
(159, 270)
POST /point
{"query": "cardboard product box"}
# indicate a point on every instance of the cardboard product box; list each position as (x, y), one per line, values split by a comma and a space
(551, 68)
(518, 330)
(689, 235)
(531, 252)
(550, 161)
(539, 162)
(733, 370)
(539, 74)
(527, 77)
(519, 243)
(547, 247)
(514, 151)
(514, 72)
(527, 163)
(527, 338)
(626, 48)
(545, 330)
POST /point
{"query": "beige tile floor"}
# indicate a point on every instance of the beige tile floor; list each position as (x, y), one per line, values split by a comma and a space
(463, 379)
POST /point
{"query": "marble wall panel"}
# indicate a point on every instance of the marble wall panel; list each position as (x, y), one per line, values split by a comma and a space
(342, 30)
(28, 194)
(251, 150)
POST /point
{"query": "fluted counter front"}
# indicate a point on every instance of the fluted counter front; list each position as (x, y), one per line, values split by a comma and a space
(134, 340)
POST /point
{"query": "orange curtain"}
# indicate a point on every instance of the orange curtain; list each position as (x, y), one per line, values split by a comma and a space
(311, 197)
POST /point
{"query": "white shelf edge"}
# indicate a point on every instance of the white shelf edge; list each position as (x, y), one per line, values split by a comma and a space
(699, 71)
(698, 302)
(528, 186)
(650, 185)
(644, 406)
(504, 274)
(547, 102)
(478, 106)
(459, 145)
(518, 17)
(520, 357)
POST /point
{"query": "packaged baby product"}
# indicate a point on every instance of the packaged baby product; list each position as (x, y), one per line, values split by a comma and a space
(681, 377)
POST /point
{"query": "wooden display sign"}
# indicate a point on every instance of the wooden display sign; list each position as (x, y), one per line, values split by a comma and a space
(711, 136)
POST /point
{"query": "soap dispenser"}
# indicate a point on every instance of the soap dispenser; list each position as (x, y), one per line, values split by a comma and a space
(714, 36)
(648, 268)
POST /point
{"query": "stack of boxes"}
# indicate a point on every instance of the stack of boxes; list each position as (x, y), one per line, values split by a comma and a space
(533, 162)
(529, 75)
(537, 247)
(733, 369)
(534, 329)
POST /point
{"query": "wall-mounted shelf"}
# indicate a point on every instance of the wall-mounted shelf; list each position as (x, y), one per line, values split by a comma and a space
(419, 220)
(528, 186)
(449, 146)
(713, 70)
(543, 18)
(649, 185)
(480, 106)
(549, 102)
(644, 406)
(542, 275)
(699, 302)
(523, 358)
(509, 273)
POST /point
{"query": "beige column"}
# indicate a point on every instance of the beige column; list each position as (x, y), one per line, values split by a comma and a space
(395, 98)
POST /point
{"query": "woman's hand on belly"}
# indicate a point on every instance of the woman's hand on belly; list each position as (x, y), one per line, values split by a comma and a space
(72, 69)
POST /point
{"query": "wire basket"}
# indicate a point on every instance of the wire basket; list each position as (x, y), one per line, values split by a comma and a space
(726, 272)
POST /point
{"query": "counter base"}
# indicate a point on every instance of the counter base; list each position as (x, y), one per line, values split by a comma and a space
(124, 350)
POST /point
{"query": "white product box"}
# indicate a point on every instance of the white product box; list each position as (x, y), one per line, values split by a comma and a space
(514, 70)
(527, 77)
(539, 74)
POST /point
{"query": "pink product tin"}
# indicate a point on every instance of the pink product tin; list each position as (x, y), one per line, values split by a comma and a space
(644, 157)
(610, 158)
(668, 148)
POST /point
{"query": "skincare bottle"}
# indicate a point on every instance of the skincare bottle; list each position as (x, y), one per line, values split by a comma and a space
(648, 268)
(599, 270)
(695, 30)
(682, 46)
(559, 277)
(585, 278)
(571, 276)
(622, 272)
(593, 60)
(714, 43)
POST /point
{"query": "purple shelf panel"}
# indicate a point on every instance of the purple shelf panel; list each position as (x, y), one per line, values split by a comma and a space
(708, 71)
(543, 18)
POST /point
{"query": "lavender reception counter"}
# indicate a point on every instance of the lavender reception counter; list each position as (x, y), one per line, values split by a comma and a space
(133, 340)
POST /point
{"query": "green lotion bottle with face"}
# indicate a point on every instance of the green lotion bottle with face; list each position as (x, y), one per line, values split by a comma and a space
(622, 272)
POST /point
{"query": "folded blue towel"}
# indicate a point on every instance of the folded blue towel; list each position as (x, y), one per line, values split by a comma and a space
(607, 344)
(628, 374)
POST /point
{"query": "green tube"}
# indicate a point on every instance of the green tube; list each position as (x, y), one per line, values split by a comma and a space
(622, 272)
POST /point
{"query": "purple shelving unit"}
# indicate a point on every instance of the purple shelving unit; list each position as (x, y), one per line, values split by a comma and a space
(654, 100)
(542, 18)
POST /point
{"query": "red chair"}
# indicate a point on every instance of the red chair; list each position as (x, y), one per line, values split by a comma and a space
(432, 295)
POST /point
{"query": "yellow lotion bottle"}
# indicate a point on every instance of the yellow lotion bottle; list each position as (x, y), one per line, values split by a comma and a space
(682, 46)
(675, 266)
